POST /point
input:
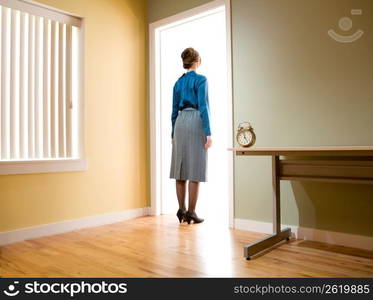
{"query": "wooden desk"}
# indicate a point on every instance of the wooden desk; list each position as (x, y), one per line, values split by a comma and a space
(352, 164)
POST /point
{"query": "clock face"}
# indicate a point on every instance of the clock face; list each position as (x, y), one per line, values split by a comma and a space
(245, 137)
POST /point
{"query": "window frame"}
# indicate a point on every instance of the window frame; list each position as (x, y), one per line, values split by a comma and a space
(50, 165)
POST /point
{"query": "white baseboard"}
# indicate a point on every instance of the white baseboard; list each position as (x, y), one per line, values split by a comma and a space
(330, 237)
(18, 235)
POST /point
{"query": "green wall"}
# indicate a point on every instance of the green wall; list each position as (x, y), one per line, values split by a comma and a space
(299, 87)
(159, 9)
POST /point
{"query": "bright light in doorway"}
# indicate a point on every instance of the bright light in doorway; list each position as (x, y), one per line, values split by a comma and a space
(207, 34)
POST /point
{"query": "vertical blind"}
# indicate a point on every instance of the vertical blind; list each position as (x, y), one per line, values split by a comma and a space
(39, 63)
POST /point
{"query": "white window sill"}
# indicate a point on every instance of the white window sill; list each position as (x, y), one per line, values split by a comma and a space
(8, 167)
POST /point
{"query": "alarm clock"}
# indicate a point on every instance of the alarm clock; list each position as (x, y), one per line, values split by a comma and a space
(245, 135)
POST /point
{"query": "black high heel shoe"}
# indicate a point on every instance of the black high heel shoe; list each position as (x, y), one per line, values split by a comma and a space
(192, 217)
(181, 215)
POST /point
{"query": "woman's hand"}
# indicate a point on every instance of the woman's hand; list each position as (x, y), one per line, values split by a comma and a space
(208, 142)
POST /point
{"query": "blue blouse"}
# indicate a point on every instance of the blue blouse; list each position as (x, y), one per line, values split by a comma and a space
(191, 87)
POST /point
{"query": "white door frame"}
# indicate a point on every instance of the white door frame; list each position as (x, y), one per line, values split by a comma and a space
(154, 91)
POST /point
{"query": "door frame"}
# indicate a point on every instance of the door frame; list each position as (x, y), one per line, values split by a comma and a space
(154, 108)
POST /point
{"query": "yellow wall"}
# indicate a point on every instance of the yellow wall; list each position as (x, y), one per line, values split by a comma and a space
(116, 126)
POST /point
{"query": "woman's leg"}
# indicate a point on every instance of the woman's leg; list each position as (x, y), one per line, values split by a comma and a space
(180, 192)
(193, 195)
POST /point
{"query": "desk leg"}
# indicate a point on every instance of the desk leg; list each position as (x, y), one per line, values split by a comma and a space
(278, 234)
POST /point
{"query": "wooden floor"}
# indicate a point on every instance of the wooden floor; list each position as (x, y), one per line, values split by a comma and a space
(160, 247)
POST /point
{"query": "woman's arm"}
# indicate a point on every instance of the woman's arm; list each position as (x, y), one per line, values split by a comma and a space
(203, 105)
(175, 109)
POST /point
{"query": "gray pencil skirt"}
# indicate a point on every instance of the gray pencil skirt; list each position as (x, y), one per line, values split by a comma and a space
(189, 156)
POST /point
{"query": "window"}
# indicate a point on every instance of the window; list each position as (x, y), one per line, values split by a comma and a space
(41, 89)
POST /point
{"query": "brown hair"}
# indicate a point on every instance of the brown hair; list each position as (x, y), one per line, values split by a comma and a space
(189, 57)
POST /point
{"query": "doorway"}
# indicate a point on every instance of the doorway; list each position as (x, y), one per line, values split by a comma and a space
(207, 29)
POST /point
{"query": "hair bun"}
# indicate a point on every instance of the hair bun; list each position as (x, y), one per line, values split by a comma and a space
(189, 57)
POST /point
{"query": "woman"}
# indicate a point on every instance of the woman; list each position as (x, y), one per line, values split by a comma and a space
(191, 134)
